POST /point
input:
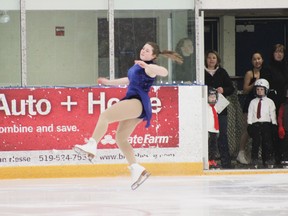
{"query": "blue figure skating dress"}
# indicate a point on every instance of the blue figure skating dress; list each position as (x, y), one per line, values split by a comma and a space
(139, 86)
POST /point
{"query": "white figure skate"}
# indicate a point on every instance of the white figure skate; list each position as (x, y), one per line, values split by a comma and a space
(241, 158)
(139, 174)
(89, 149)
(284, 164)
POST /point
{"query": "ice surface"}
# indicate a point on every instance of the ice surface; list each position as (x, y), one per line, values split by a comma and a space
(225, 195)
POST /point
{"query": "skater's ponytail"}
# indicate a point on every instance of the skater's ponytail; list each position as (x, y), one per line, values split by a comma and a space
(174, 56)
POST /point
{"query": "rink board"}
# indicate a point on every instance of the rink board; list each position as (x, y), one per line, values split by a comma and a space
(113, 170)
(101, 170)
(40, 126)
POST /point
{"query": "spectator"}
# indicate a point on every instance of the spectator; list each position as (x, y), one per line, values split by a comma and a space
(283, 131)
(249, 79)
(278, 79)
(261, 125)
(213, 128)
(184, 72)
(218, 78)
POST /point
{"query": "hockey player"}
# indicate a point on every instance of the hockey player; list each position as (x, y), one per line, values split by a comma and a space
(262, 124)
(132, 109)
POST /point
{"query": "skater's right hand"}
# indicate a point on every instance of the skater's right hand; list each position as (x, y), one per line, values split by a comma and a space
(102, 81)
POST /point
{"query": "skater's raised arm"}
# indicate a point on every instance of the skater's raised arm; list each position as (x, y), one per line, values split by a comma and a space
(152, 70)
(120, 81)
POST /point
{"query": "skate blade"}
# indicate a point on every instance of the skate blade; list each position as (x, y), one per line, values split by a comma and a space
(82, 152)
(144, 175)
(242, 163)
(270, 166)
(214, 168)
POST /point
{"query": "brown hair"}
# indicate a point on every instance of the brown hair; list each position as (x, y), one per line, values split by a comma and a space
(180, 44)
(174, 56)
(278, 47)
(217, 56)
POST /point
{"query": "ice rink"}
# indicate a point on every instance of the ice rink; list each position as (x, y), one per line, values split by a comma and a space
(213, 195)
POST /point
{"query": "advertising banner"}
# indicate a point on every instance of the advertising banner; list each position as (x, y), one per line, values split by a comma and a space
(41, 125)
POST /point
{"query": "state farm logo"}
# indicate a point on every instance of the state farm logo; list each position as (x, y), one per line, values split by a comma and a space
(108, 140)
(136, 139)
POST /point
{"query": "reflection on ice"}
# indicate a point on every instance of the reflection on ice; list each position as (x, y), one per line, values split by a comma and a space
(237, 195)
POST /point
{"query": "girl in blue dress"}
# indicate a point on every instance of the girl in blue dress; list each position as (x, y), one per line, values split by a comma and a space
(132, 109)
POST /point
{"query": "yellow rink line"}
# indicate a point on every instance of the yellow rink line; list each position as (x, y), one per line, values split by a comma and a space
(112, 170)
(246, 172)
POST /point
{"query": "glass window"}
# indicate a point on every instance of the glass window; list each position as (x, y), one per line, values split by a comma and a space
(71, 47)
(10, 55)
(183, 34)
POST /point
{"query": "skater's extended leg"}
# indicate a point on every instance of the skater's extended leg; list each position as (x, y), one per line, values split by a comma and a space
(126, 109)
(138, 172)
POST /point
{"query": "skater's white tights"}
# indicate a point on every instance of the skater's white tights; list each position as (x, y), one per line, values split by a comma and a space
(125, 112)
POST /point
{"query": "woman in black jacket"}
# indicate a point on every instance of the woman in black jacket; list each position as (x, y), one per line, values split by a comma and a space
(218, 78)
(278, 79)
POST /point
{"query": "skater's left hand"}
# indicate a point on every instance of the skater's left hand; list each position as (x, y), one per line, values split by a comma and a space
(142, 64)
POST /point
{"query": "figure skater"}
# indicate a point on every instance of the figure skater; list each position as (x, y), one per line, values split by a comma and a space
(132, 109)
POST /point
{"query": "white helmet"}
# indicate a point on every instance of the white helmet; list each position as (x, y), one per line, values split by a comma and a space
(212, 91)
(262, 83)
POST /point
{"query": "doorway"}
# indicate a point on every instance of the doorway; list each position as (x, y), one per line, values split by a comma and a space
(130, 36)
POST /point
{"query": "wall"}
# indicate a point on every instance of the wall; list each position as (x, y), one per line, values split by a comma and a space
(61, 60)
(227, 43)
(38, 139)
